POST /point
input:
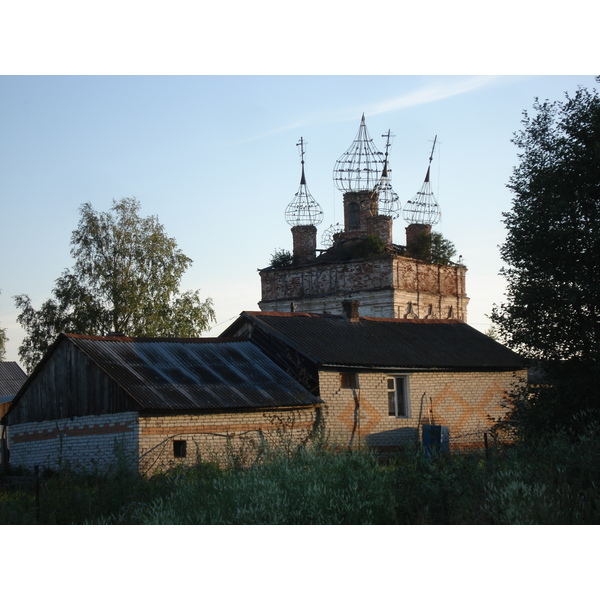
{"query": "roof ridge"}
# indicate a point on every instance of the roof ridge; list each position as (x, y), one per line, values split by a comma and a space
(124, 338)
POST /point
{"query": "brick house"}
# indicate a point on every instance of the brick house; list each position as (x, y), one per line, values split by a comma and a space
(382, 379)
(153, 402)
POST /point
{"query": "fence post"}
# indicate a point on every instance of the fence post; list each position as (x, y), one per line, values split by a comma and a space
(36, 478)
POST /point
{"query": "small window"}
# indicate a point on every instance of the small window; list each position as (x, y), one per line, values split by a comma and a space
(179, 448)
(398, 399)
(349, 380)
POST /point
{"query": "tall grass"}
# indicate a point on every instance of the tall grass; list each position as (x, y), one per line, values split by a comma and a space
(552, 481)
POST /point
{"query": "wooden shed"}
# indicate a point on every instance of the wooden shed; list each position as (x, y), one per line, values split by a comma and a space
(152, 402)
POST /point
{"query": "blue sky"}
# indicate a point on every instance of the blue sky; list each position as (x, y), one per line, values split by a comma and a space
(215, 158)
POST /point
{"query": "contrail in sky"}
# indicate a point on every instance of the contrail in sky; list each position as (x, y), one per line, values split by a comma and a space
(437, 88)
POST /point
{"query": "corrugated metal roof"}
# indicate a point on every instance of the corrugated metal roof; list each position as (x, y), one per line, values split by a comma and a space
(12, 377)
(194, 374)
(420, 344)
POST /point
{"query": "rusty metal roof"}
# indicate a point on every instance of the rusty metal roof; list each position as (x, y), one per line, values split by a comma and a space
(194, 374)
(415, 344)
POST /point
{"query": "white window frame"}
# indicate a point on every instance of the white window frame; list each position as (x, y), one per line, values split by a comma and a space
(394, 384)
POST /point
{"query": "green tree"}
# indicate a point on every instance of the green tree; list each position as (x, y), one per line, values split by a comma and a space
(552, 255)
(434, 248)
(552, 249)
(126, 278)
(3, 340)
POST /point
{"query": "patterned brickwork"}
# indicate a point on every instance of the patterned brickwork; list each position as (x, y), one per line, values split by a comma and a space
(82, 442)
(464, 402)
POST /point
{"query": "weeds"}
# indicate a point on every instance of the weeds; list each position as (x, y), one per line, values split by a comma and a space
(551, 481)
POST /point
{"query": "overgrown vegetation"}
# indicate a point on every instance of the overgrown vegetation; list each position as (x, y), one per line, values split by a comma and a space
(433, 248)
(281, 258)
(555, 480)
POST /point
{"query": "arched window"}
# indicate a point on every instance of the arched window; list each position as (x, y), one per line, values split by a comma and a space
(353, 216)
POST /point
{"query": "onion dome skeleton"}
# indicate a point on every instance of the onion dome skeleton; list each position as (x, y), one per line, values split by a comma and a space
(423, 207)
(359, 168)
(303, 209)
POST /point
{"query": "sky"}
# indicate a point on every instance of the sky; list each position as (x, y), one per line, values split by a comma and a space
(215, 158)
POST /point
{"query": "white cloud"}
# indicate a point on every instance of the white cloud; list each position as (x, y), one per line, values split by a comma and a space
(436, 89)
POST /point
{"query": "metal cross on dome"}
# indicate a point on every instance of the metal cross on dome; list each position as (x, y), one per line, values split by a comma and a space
(423, 207)
(303, 209)
(389, 203)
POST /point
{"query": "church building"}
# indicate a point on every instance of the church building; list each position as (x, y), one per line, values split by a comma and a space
(359, 265)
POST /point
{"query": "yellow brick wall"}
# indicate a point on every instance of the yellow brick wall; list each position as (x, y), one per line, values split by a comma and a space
(222, 437)
(464, 402)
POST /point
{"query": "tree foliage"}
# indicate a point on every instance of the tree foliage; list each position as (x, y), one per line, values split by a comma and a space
(281, 258)
(552, 250)
(126, 278)
(3, 341)
(433, 248)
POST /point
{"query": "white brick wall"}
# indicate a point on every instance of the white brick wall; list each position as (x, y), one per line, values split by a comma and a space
(83, 442)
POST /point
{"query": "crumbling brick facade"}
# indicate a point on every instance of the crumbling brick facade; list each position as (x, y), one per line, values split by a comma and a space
(387, 286)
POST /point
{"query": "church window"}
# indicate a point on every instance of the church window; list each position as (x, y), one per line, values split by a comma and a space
(353, 215)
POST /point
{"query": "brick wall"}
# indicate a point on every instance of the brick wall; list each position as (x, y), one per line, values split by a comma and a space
(81, 442)
(462, 401)
(238, 437)
(384, 285)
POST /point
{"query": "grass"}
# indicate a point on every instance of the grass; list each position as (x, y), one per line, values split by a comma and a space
(556, 481)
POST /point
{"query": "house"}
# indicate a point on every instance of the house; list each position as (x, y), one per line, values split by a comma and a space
(154, 402)
(12, 377)
(381, 380)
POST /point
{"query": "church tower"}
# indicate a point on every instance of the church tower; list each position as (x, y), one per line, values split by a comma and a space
(361, 265)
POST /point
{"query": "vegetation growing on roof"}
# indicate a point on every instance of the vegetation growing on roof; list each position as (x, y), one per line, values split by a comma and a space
(433, 248)
(281, 258)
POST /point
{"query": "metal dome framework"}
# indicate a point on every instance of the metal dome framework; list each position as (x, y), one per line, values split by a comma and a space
(327, 238)
(423, 207)
(303, 209)
(360, 167)
(389, 203)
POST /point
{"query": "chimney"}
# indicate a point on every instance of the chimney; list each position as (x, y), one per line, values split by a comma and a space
(381, 226)
(350, 309)
(305, 243)
(417, 244)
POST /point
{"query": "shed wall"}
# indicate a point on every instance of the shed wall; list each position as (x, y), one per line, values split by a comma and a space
(69, 385)
(86, 443)
(223, 437)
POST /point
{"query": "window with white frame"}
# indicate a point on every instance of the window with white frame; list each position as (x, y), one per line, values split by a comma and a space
(398, 398)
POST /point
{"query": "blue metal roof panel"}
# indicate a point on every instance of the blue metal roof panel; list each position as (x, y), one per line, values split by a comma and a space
(164, 374)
